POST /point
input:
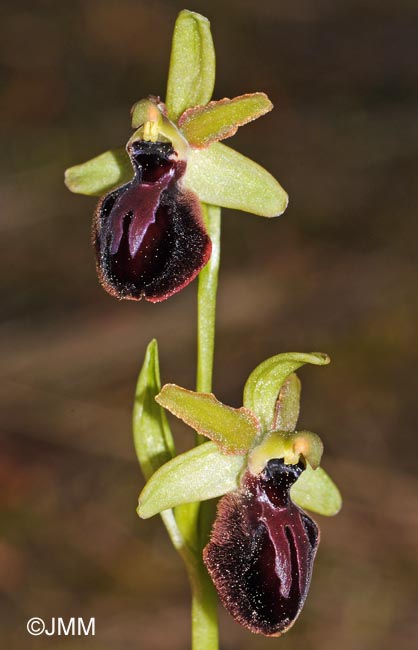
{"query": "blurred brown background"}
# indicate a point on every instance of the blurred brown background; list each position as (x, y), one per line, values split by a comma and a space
(336, 273)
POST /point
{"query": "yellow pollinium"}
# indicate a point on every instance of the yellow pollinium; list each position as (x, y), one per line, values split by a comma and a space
(289, 446)
(150, 131)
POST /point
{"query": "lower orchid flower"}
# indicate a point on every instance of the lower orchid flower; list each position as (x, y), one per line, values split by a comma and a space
(262, 549)
(262, 546)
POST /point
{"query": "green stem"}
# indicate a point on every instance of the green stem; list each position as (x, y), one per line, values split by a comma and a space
(206, 302)
(204, 612)
(204, 598)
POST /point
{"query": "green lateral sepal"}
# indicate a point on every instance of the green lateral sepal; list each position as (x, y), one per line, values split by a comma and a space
(316, 491)
(197, 475)
(221, 176)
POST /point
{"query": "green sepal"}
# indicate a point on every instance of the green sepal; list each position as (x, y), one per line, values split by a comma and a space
(191, 76)
(218, 120)
(197, 475)
(316, 491)
(265, 382)
(221, 176)
(152, 435)
(101, 174)
(286, 412)
(233, 430)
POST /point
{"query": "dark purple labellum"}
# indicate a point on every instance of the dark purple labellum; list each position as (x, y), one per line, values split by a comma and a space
(261, 552)
(149, 237)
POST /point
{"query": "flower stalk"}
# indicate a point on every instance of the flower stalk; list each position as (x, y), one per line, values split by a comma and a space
(206, 302)
(204, 599)
(204, 614)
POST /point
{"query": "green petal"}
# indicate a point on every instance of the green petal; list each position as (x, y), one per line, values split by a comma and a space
(233, 430)
(265, 382)
(100, 174)
(221, 176)
(152, 436)
(191, 77)
(197, 475)
(203, 125)
(288, 405)
(315, 490)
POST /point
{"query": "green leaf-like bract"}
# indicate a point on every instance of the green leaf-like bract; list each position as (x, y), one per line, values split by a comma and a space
(152, 436)
(191, 76)
(233, 430)
(218, 120)
(197, 475)
(265, 382)
(316, 491)
(221, 176)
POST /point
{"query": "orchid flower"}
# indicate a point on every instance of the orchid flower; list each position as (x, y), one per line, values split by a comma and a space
(262, 545)
(149, 234)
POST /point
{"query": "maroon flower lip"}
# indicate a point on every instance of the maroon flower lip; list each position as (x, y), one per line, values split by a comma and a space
(148, 235)
(261, 552)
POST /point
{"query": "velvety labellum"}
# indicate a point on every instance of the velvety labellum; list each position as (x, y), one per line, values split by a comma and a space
(148, 234)
(261, 552)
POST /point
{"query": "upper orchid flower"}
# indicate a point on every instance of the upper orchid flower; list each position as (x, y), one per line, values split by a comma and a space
(149, 235)
(148, 231)
(262, 546)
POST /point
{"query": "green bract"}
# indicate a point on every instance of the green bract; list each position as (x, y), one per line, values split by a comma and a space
(239, 441)
(152, 436)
